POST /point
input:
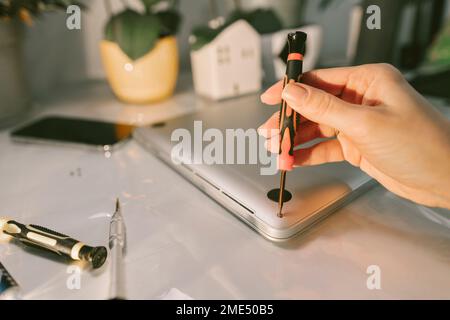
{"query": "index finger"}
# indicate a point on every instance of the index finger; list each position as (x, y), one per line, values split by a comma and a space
(333, 81)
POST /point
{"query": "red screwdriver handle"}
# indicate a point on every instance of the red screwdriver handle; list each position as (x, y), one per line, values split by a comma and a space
(289, 119)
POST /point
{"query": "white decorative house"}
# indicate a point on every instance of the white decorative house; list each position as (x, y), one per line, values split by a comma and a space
(230, 65)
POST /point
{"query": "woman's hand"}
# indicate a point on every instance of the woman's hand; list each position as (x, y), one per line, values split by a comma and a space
(380, 124)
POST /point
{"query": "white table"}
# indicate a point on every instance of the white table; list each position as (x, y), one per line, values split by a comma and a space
(182, 244)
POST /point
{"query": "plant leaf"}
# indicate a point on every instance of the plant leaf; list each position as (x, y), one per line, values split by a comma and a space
(202, 36)
(136, 34)
(170, 22)
(263, 20)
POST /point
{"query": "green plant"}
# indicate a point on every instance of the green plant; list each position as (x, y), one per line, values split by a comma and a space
(26, 9)
(137, 33)
(262, 20)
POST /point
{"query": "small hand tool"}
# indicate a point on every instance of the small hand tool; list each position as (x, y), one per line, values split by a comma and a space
(46, 239)
(117, 247)
(289, 119)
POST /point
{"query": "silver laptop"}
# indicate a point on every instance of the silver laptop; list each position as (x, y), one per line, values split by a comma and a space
(242, 188)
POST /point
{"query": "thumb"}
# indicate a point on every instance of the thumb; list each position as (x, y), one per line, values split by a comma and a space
(321, 107)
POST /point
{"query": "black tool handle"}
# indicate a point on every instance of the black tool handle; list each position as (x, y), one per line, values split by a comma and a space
(289, 119)
(61, 244)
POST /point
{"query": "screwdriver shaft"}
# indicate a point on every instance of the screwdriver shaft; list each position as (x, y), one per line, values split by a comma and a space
(280, 197)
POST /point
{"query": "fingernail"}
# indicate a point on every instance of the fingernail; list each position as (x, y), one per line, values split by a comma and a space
(294, 92)
(263, 97)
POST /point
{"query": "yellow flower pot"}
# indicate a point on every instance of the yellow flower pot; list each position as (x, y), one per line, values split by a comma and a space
(148, 79)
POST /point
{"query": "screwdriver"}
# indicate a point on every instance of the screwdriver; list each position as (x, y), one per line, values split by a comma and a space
(289, 119)
(46, 239)
(117, 247)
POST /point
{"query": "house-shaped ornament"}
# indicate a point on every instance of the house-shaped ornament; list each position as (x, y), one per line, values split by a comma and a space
(230, 65)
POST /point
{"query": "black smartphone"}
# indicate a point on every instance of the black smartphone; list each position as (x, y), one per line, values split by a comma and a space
(73, 131)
